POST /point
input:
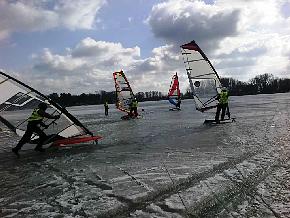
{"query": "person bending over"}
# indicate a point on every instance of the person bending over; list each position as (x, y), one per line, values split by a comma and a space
(34, 122)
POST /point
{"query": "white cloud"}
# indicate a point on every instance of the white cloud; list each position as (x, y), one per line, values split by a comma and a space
(85, 68)
(155, 72)
(88, 67)
(242, 38)
(33, 15)
(78, 14)
(104, 50)
(55, 63)
(181, 21)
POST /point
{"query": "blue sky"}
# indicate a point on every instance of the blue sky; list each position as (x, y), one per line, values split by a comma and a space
(75, 46)
(114, 26)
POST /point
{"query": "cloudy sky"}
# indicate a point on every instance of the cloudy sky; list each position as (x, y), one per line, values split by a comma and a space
(75, 45)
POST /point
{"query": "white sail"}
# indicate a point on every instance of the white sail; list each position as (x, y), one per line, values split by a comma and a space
(204, 81)
(17, 101)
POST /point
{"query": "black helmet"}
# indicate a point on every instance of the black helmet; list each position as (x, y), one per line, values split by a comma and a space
(42, 106)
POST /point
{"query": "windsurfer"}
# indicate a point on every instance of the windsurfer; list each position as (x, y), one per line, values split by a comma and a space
(106, 105)
(174, 93)
(178, 103)
(223, 99)
(133, 108)
(33, 126)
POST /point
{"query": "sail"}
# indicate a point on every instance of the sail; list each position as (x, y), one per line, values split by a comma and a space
(203, 79)
(174, 92)
(17, 101)
(124, 94)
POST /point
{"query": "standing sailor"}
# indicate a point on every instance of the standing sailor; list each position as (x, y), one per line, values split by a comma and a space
(223, 99)
(134, 106)
(33, 126)
(106, 105)
(178, 103)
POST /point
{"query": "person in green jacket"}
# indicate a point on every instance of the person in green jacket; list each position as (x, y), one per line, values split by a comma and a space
(34, 122)
(223, 99)
(133, 108)
(106, 105)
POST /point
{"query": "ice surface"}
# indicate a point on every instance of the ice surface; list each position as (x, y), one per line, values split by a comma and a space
(166, 164)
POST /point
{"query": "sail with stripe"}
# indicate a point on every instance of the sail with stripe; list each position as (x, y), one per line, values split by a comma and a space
(124, 93)
(174, 91)
(204, 81)
(17, 101)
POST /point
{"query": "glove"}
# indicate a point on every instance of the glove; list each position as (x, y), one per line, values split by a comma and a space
(56, 116)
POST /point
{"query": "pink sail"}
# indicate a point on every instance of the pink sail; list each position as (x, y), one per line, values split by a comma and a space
(174, 91)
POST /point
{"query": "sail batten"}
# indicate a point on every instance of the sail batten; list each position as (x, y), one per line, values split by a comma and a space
(193, 60)
(203, 76)
(203, 79)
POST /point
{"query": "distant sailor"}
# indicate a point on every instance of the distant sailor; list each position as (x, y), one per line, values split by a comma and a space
(133, 108)
(106, 105)
(223, 99)
(178, 103)
(33, 126)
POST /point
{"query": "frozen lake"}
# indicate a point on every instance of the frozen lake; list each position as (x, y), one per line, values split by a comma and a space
(165, 164)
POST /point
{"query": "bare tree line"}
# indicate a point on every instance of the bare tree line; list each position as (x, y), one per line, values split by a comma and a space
(261, 84)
